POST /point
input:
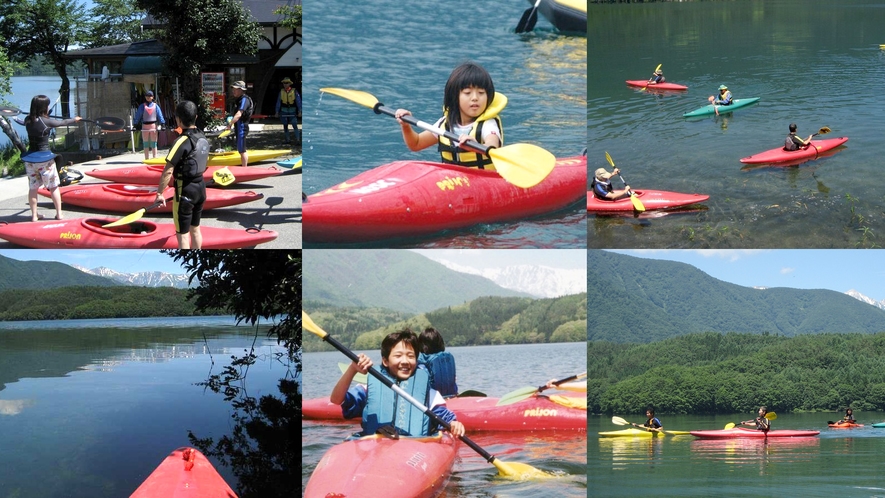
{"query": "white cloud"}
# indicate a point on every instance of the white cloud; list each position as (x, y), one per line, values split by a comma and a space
(786, 270)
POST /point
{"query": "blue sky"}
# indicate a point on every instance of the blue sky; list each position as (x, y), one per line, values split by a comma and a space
(126, 261)
(837, 269)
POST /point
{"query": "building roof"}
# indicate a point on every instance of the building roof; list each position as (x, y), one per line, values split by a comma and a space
(141, 48)
(262, 11)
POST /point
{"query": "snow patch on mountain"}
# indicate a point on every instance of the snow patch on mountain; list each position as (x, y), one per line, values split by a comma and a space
(541, 281)
(141, 279)
(860, 297)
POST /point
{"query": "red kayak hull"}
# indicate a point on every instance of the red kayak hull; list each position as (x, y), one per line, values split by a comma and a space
(412, 198)
(87, 233)
(119, 198)
(657, 86)
(376, 466)
(184, 475)
(651, 199)
(742, 432)
(480, 414)
(780, 155)
(149, 174)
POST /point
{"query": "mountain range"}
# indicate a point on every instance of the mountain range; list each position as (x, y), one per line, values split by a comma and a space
(15, 274)
(141, 279)
(537, 280)
(633, 299)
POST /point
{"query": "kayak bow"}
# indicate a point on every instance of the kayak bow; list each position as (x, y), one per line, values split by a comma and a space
(711, 109)
(185, 473)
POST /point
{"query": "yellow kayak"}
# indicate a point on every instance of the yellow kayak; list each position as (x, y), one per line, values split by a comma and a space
(233, 158)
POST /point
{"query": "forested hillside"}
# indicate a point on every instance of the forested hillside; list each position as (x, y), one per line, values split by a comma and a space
(645, 300)
(727, 373)
(15, 274)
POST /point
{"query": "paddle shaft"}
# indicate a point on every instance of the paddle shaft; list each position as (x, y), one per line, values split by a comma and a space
(529, 18)
(561, 381)
(387, 382)
(471, 144)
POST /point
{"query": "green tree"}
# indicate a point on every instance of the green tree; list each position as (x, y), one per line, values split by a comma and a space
(7, 68)
(114, 22)
(201, 32)
(291, 16)
(45, 27)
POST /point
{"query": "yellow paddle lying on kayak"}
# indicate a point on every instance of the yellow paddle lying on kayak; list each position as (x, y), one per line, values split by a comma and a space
(513, 469)
(221, 176)
(523, 165)
(527, 392)
(621, 421)
(637, 204)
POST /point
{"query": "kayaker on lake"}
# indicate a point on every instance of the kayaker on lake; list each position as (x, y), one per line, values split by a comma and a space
(653, 424)
(793, 142)
(186, 162)
(724, 98)
(849, 417)
(379, 405)
(761, 423)
(441, 364)
(468, 94)
(657, 77)
(602, 186)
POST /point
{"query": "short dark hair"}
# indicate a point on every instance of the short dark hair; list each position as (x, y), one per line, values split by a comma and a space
(651, 410)
(39, 107)
(431, 341)
(792, 127)
(468, 74)
(186, 112)
(406, 335)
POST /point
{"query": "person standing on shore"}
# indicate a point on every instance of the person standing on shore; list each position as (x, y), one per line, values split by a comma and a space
(288, 109)
(240, 121)
(148, 116)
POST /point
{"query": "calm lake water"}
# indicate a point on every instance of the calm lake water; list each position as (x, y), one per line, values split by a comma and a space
(90, 409)
(404, 59)
(494, 370)
(813, 62)
(838, 462)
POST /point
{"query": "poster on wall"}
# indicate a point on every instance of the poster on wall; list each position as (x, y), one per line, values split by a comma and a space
(213, 88)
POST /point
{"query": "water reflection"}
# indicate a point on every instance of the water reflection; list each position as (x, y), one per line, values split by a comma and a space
(14, 406)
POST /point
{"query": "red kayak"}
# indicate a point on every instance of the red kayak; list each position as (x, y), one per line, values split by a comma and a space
(185, 473)
(651, 199)
(751, 433)
(378, 466)
(87, 233)
(844, 425)
(537, 413)
(149, 174)
(119, 198)
(415, 198)
(657, 86)
(780, 155)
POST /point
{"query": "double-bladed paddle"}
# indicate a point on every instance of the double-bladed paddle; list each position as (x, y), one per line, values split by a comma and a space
(361, 379)
(221, 176)
(769, 416)
(649, 81)
(529, 18)
(528, 391)
(523, 165)
(637, 204)
(513, 469)
(621, 421)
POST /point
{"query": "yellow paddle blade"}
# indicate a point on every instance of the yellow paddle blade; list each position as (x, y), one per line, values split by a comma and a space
(729, 425)
(127, 219)
(516, 470)
(223, 176)
(824, 130)
(637, 204)
(224, 134)
(312, 327)
(609, 158)
(524, 165)
(578, 403)
(362, 98)
(771, 415)
(619, 421)
(658, 68)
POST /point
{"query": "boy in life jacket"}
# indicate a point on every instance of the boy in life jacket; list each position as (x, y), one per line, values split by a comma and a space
(467, 99)
(380, 407)
(149, 117)
(438, 362)
(657, 77)
(792, 142)
(653, 424)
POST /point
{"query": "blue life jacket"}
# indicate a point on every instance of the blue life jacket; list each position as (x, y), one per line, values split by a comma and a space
(386, 407)
(442, 372)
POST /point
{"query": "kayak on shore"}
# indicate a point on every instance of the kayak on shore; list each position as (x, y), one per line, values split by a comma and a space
(120, 198)
(651, 199)
(657, 86)
(291, 163)
(185, 473)
(709, 109)
(741, 432)
(418, 198)
(374, 466)
(232, 158)
(150, 174)
(87, 233)
(779, 155)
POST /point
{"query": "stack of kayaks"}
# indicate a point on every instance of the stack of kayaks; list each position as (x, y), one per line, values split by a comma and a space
(232, 158)
(378, 466)
(709, 109)
(150, 174)
(565, 15)
(741, 432)
(120, 198)
(87, 233)
(779, 155)
(185, 473)
(651, 199)
(657, 86)
(416, 198)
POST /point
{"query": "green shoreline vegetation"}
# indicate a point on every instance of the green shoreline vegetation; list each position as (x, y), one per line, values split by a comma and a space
(713, 373)
(68, 303)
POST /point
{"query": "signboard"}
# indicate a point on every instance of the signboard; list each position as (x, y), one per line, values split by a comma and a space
(213, 88)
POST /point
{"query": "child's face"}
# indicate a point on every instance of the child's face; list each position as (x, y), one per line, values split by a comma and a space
(473, 101)
(401, 362)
